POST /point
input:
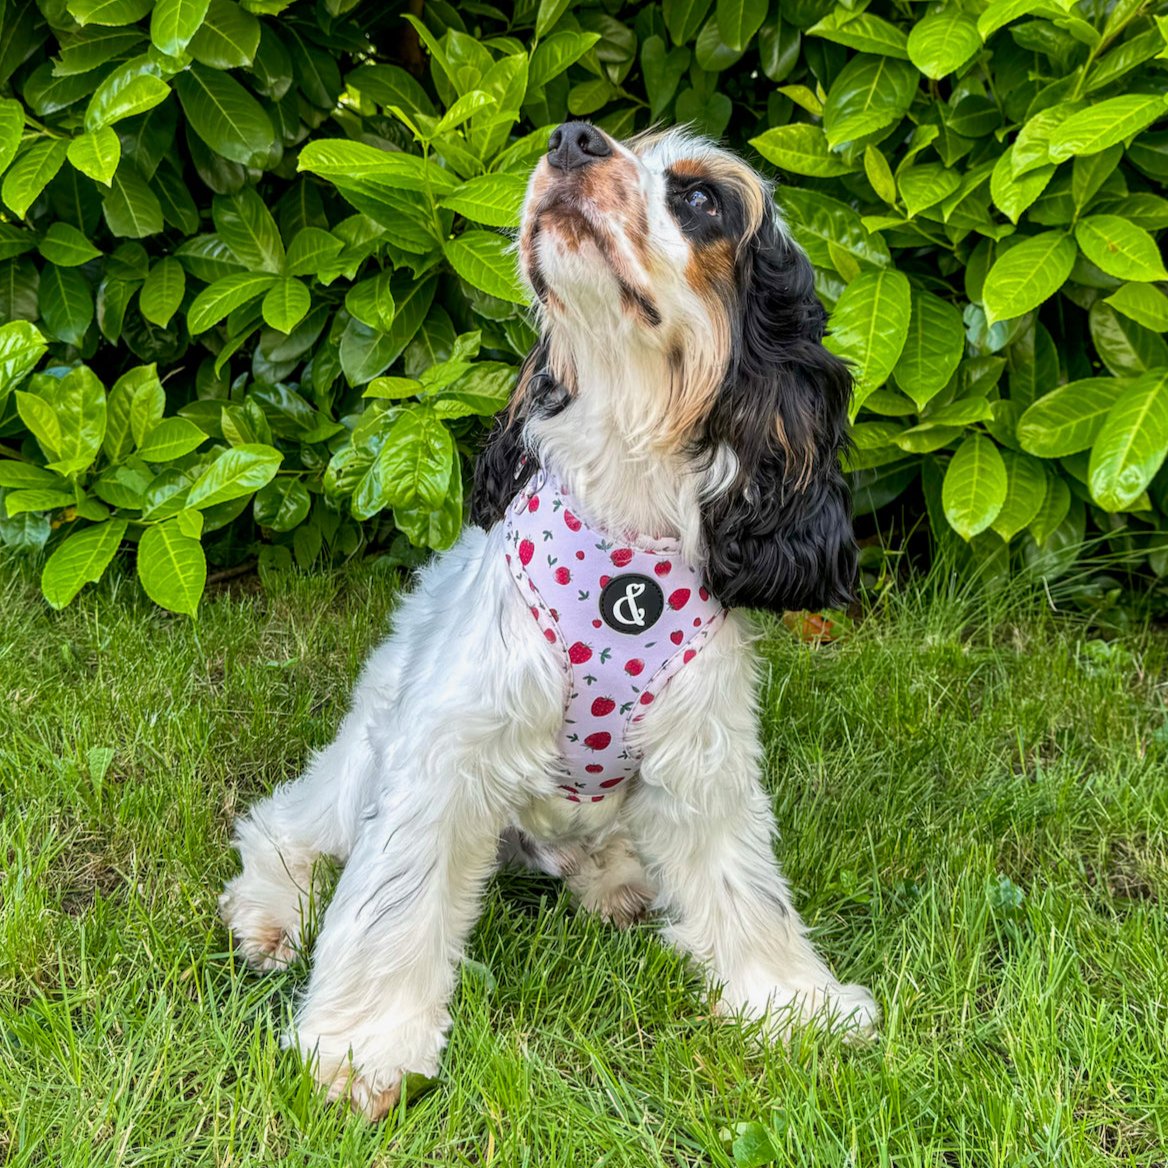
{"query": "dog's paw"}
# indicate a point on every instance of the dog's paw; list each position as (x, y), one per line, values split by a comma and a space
(622, 905)
(847, 1010)
(366, 1068)
(265, 942)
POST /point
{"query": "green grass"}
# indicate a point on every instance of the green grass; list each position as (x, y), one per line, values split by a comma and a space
(973, 802)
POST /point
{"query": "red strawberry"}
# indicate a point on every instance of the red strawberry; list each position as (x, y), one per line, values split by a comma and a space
(604, 581)
(704, 593)
(602, 707)
(533, 503)
(679, 599)
(598, 741)
(621, 556)
(563, 576)
(555, 615)
(613, 782)
(689, 655)
(572, 522)
(579, 555)
(579, 653)
(597, 798)
(535, 612)
(646, 698)
(550, 634)
(677, 637)
(697, 622)
(594, 768)
(634, 666)
(526, 551)
(596, 624)
(662, 567)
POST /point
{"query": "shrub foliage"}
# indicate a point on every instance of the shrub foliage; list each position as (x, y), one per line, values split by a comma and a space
(258, 293)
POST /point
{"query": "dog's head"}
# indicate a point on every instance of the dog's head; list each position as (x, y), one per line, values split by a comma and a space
(667, 253)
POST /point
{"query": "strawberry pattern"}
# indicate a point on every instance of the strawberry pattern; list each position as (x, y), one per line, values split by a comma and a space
(562, 566)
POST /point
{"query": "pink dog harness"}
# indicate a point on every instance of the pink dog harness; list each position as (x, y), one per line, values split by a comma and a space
(626, 613)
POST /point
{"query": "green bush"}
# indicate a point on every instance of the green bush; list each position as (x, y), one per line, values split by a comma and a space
(258, 252)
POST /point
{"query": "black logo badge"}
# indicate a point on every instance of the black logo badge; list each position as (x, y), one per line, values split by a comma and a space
(631, 603)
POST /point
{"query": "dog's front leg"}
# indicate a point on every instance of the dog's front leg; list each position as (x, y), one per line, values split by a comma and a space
(704, 828)
(384, 964)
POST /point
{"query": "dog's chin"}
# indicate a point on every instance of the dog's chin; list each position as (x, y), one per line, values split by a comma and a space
(572, 275)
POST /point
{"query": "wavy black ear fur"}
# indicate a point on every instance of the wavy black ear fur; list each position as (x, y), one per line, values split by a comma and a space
(504, 465)
(781, 536)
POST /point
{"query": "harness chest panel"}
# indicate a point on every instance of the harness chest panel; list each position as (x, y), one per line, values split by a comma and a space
(625, 613)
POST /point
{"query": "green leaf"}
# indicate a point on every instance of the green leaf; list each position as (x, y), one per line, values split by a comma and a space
(225, 116)
(416, 460)
(135, 406)
(371, 302)
(925, 186)
(824, 226)
(662, 71)
(869, 94)
(1055, 505)
(801, 149)
(68, 417)
(112, 13)
(172, 568)
(286, 304)
(933, 347)
(974, 489)
(171, 439)
(559, 52)
(21, 347)
(1011, 194)
(174, 22)
(365, 352)
(311, 248)
(236, 472)
(862, 30)
(1132, 444)
(1104, 124)
(131, 208)
(1120, 248)
(1142, 303)
(879, 174)
(493, 199)
(282, 505)
(228, 37)
(1025, 494)
(345, 162)
(162, 292)
(487, 261)
(66, 247)
(80, 560)
(11, 128)
(1126, 348)
(1069, 418)
(129, 90)
(549, 14)
(1027, 275)
(97, 154)
(224, 296)
(739, 20)
(37, 499)
(31, 173)
(683, 18)
(942, 42)
(244, 223)
(869, 326)
(66, 303)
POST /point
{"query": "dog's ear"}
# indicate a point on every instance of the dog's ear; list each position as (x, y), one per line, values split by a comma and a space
(504, 464)
(779, 536)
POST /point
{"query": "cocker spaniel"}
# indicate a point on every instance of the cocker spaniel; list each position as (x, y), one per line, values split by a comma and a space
(572, 686)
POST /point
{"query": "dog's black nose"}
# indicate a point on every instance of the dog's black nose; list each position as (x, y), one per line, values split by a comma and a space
(576, 144)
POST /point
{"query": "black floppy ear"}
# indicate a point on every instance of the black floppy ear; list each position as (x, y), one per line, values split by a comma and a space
(504, 465)
(780, 535)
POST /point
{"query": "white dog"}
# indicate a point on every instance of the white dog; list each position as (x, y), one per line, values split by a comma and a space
(671, 448)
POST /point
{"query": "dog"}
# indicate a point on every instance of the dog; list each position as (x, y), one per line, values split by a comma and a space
(669, 457)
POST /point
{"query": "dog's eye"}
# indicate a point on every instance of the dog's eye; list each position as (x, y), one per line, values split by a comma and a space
(700, 199)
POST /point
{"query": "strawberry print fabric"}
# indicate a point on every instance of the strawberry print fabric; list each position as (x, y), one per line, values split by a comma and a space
(625, 613)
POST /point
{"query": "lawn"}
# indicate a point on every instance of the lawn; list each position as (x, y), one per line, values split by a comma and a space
(973, 803)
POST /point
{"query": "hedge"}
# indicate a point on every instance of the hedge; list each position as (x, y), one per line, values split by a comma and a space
(259, 299)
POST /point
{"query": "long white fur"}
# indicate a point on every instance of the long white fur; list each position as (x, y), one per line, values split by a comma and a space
(449, 746)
